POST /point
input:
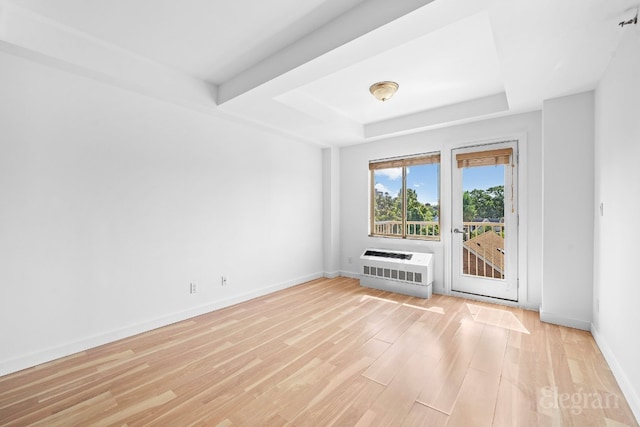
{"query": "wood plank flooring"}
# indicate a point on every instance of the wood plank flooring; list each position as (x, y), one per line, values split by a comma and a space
(330, 352)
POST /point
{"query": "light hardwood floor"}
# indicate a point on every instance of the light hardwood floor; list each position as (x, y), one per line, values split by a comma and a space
(330, 352)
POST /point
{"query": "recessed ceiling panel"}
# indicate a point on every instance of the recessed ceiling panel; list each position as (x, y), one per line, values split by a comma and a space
(454, 64)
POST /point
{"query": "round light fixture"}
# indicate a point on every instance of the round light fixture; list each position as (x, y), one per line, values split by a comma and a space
(383, 90)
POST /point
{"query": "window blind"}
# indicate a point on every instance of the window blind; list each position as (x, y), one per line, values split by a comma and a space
(406, 161)
(484, 158)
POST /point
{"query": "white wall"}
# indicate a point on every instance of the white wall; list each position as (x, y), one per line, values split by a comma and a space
(331, 211)
(568, 136)
(112, 202)
(617, 185)
(354, 176)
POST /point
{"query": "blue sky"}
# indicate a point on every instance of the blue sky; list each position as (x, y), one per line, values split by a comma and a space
(482, 177)
(424, 179)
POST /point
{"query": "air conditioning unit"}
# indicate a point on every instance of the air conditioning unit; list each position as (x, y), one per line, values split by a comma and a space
(409, 273)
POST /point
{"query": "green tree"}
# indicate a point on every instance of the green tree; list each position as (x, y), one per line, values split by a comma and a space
(497, 201)
(469, 211)
(487, 203)
(417, 211)
(387, 208)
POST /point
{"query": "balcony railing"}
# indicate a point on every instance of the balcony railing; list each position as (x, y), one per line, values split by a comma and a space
(430, 230)
(424, 229)
(472, 229)
(483, 253)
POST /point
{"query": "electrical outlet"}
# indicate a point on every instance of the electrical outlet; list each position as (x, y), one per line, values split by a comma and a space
(350, 260)
(193, 287)
(223, 281)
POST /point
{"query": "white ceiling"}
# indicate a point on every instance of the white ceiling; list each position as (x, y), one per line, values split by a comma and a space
(209, 39)
(459, 62)
(304, 67)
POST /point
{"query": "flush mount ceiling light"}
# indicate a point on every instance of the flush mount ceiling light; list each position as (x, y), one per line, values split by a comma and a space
(383, 90)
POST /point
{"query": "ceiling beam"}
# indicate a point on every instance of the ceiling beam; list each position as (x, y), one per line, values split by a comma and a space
(353, 24)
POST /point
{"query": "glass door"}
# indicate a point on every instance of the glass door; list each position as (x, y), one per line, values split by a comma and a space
(485, 220)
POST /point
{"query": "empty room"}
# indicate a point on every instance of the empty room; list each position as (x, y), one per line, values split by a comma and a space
(320, 212)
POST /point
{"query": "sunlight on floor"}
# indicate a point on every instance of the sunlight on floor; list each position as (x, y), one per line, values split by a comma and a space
(438, 310)
(496, 317)
(366, 297)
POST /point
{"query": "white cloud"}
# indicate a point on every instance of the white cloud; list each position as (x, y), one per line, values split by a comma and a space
(381, 187)
(393, 173)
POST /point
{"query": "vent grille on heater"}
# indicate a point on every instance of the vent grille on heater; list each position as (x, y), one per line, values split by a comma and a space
(383, 254)
(401, 275)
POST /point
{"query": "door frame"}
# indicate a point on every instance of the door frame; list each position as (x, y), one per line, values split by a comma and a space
(507, 287)
(446, 216)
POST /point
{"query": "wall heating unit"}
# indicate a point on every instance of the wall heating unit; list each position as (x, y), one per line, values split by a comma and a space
(409, 273)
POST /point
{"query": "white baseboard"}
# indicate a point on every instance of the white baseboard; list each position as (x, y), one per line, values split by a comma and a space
(331, 274)
(483, 298)
(441, 291)
(50, 354)
(530, 306)
(349, 274)
(556, 319)
(628, 389)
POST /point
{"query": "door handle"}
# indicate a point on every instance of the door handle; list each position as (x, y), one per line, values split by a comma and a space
(455, 230)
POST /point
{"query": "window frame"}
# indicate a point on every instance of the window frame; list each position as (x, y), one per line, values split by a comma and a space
(403, 162)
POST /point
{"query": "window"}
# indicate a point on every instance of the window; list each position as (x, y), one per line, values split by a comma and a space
(405, 197)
